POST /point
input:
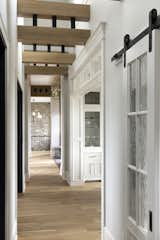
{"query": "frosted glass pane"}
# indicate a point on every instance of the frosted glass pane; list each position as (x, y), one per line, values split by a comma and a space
(132, 86)
(143, 216)
(143, 83)
(131, 236)
(132, 140)
(92, 129)
(141, 145)
(132, 194)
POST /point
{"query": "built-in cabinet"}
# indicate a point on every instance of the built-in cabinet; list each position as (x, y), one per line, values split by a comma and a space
(86, 111)
(91, 132)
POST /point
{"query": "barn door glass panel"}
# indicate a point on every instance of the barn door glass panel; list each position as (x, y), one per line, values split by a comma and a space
(137, 138)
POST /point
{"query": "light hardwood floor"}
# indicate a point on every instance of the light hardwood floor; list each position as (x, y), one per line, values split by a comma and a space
(52, 210)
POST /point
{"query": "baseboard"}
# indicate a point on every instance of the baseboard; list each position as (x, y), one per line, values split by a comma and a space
(14, 232)
(75, 182)
(27, 177)
(107, 234)
(65, 175)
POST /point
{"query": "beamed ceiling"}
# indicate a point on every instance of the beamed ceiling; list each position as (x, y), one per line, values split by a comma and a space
(51, 62)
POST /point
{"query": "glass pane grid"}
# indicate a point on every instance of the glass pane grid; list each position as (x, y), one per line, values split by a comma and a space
(132, 140)
(92, 129)
(142, 199)
(137, 135)
(141, 123)
(142, 88)
(132, 194)
(132, 86)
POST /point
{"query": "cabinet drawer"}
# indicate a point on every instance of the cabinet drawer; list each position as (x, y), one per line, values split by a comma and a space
(92, 156)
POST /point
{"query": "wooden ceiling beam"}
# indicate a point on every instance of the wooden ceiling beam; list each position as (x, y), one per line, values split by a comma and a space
(48, 57)
(52, 36)
(45, 10)
(46, 70)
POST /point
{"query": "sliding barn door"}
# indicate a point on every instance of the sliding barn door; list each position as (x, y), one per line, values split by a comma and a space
(142, 123)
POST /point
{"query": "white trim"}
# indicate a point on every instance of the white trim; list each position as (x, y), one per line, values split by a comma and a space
(107, 234)
(73, 183)
(90, 48)
(14, 232)
(156, 171)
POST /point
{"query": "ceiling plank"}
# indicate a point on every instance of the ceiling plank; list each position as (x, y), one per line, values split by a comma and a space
(47, 57)
(46, 70)
(52, 36)
(44, 9)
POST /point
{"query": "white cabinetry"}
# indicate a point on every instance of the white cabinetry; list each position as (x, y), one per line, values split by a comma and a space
(91, 132)
(87, 139)
(92, 166)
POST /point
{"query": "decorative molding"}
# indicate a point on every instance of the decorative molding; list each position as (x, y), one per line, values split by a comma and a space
(107, 234)
(89, 49)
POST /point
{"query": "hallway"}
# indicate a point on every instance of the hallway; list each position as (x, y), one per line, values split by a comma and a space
(51, 210)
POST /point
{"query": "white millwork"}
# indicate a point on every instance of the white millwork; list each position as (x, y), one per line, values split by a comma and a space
(64, 128)
(91, 149)
(86, 75)
(27, 103)
(55, 124)
(141, 78)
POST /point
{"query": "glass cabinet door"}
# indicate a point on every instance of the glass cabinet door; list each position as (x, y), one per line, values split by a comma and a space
(92, 129)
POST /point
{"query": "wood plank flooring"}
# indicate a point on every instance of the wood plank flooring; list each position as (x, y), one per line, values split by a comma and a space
(52, 210)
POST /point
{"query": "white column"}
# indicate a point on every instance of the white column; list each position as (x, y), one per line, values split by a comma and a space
(55, 124)
(27, 129)
(75, 173)
(64, 127)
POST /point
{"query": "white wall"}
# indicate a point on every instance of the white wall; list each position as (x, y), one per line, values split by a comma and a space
(111, 13)
(11, 220)
(121, 18)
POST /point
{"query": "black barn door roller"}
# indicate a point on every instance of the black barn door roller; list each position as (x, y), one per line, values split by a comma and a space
(154, 23)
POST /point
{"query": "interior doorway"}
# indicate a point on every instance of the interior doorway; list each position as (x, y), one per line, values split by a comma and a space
(2, 139)
(20, 137)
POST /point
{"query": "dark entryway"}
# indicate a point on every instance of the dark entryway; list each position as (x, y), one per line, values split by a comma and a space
(20, 137)
(2, 139)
